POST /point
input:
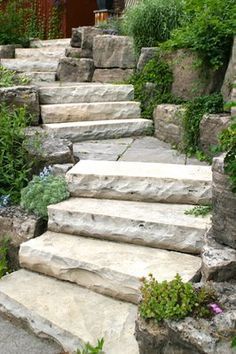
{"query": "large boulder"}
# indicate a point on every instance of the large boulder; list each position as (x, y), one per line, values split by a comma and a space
(76, 37)
(22, 96)
(210, 127)
(168, 121)
(75, 70)
(113, 52)
(230, 75)
(224, 205)
(192, 335)
(48, 149)
(112, 75)
(87, 36)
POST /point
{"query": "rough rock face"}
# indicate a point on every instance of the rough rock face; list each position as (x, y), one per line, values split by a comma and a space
(195, 336)
(188, 81)
(87, 35)
(229, 75)
(76, 37)
(168, 123)
(113, 52)
(78, 53)
(22, 95)
(50, 150)
(224, 206)
(7, 51)
(75, 70)
(112, 75)
(218, 261)
(19, 226)
(146, 55)
(210, 127)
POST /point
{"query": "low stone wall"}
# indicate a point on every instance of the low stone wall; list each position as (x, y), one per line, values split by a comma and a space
(224, 206)
(19, 226)
(20, 96)
(190, 335)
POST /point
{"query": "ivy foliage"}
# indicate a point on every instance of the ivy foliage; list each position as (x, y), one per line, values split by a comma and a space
(174, 300)
(207, 29)
(152, 86)
(227, 141)
(195, 109)
(151, 21)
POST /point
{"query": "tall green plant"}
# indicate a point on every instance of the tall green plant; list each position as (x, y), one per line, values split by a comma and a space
(15, 165)
(208, 30)
(151, 21)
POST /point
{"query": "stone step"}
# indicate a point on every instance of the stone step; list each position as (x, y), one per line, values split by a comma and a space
(141, 181)
(40, 53)
(77, 93)
(41, 77)
(27, 65)
(109, 268)
(156, 225)
(75, 112)
(68, 313)
(38, 43)
(103, 129)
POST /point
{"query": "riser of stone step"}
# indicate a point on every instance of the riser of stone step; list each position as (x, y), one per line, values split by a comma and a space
(109, 268)
(40, 53)
(137, 181)
(156, 225)
(103, 129)
(77, 93)
(64, 42)
(28, 65)
(68, 313)
(40, 77)
(79, 112)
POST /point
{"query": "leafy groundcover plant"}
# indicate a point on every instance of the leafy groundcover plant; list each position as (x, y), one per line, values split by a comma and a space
(42, 191)
(11, 78)
(90, 349)
(175, 300)
(4, 268)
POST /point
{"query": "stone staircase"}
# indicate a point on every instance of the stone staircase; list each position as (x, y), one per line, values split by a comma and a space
(123, 221)
(91, 111)
(40, 61)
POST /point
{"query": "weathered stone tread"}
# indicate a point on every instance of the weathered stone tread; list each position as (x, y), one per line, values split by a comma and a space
(72, 315)
(110, 268)
(185, 184)
(151, 224)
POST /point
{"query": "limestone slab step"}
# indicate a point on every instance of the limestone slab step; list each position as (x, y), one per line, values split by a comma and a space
(40, 53)
(109, 268)
(38, 43)
(169, 183)
(75, 93)
(68, 313)
(103, 129)
(41, 77)
(30, 65)
(74, 112)
(157, 225)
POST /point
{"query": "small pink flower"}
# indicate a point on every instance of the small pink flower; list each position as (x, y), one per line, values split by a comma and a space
(215, 308)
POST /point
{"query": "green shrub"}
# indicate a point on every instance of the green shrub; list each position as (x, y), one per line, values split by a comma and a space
(173, 300)
(228, 143)
(15, 165)
(4, 268)
(151, 21)
(42, 191)
(13, 23)
(195, 109)
(157, 73)
(200, 210)
(208, 29)
(90, 349)
(10, 78)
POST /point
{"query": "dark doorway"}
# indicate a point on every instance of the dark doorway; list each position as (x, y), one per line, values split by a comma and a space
(79, 13)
